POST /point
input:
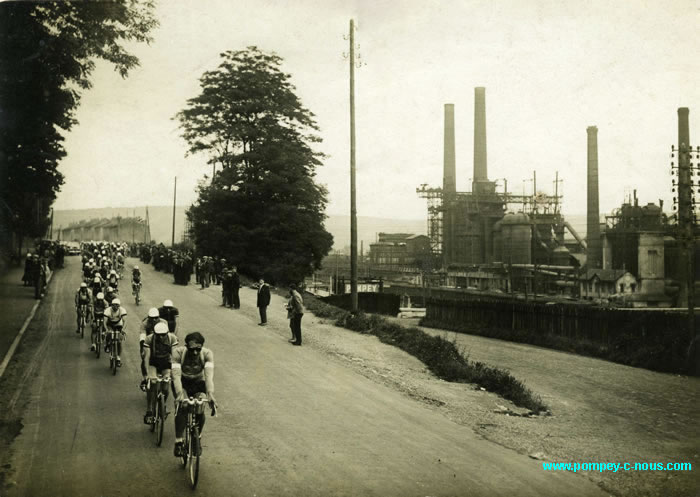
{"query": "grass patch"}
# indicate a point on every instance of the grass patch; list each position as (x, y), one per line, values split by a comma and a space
(443, 357)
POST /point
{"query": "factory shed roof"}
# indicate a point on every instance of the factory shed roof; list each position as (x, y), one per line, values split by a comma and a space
(603, 274)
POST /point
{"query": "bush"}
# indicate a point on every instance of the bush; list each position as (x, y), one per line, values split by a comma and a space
(441, 356)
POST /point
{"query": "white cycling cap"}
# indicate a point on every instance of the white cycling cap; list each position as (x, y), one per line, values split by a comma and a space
(168, 303)
(160, 328)
(153, 312)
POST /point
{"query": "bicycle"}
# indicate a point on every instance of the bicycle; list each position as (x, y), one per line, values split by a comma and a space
(115, 334)
(191, 446)
(82, 311)
(158, 407)
(137, 291)
(99, 332)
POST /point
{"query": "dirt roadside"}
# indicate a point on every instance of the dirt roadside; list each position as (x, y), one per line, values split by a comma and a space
(602, 412)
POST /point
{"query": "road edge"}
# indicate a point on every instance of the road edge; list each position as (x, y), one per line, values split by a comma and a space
(15, 343)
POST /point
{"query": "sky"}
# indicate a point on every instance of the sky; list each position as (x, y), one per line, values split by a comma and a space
(550, 68)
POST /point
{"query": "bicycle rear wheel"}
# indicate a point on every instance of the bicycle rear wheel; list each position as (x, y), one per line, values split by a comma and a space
(159, 421)
(193, 464)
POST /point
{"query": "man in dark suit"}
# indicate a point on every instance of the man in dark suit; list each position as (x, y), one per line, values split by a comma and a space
(263, 300)
(235, 285)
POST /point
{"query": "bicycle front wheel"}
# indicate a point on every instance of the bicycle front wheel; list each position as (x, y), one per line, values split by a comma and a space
(160, 422)
(193, 464)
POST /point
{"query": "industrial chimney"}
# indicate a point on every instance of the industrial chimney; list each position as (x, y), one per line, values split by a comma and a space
(449, 180)
(480, 172)
(594, 252)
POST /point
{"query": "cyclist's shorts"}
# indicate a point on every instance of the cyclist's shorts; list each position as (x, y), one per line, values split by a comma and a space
(160, 363)
(115, 327)
(193, 387)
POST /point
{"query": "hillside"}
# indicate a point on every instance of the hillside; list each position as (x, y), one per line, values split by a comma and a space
(338, 226)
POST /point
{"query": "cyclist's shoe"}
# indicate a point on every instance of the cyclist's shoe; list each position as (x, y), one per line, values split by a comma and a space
(148, 418)
(78, 330)
(107, 348)
(93, 348)
(177, 452)
(143, 384)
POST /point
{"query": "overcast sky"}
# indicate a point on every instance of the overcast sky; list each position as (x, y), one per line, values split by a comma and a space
(550, 68)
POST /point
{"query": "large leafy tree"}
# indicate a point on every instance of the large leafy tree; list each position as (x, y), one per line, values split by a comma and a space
(263, 210)
(48, 51)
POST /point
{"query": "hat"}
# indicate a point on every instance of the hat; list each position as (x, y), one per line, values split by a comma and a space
(153, 312)
(168, 303)
(100, 296)
(116, 302)
(160, 328)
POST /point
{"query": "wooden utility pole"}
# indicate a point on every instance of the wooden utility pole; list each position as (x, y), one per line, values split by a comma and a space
(172, 243)
(686, 214)
(353, 203)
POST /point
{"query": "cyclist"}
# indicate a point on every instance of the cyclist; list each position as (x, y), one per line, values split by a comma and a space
(110, 294)
(157, 349)
(98, 309)
(135, 279)
(193, 374)
(82, 304)
(114, 319)
(113, 279)
(96, 285)
(170, 313)
(147, 325)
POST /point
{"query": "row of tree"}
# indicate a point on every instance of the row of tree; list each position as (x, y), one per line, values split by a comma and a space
(48, 51)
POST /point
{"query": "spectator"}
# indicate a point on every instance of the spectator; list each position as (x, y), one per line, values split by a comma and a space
(263, 301)
(235, 286)
(295, 311)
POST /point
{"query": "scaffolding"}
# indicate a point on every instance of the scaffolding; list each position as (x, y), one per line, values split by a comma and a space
(435, 216)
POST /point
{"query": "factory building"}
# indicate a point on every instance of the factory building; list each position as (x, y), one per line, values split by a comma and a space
(489, 226)
(492, 240)
(117, 229)
(399, 249)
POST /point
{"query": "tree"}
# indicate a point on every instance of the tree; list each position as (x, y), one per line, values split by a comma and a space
(48, 52)
(262, 211)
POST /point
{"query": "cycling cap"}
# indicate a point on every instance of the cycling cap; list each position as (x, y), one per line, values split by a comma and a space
(83, 285)
(96, 280)
(168, 303)
(100, 296)
(160, 328)
(109, 289)
(136, 267)
(116, 302)
(153, 312)
(113, 271)
(194, 336)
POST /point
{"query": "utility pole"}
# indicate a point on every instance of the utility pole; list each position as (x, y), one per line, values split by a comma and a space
(686, 218)
(172, 243)
(353, 202)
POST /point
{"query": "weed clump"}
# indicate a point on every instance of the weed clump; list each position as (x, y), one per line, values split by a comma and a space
(442, 356)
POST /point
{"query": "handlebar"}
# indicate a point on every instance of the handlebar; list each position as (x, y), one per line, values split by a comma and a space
(191, 401)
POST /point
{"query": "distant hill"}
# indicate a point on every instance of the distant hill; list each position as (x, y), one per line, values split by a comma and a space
(339, 226)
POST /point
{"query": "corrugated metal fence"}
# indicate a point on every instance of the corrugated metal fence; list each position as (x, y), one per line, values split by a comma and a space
(627, 336)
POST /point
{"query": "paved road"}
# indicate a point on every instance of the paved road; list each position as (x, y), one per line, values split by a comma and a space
(292, 422)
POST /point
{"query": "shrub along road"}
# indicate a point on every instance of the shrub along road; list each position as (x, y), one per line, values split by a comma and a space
(294, 420)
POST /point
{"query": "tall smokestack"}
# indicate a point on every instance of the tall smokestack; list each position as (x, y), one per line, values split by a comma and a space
(449, 180)
(593, 218)
(480, 172)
